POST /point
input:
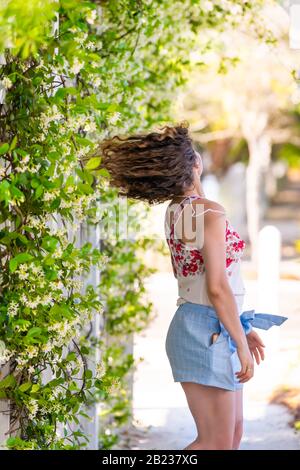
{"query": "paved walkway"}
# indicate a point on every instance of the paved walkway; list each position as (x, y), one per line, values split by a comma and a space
(161, 416)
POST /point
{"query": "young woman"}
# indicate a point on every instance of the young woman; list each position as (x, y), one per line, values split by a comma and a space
(210, 342)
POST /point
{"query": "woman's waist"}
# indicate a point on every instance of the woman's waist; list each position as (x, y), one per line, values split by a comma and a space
(200, 288)
(188, 306)
(202, 298)
(210, 310)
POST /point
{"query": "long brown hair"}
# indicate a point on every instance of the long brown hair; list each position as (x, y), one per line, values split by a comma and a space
(151, 167)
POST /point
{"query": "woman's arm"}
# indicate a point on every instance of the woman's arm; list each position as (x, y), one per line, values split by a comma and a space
(218, 288)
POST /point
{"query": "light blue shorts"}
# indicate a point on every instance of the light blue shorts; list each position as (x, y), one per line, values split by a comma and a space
(192, 355)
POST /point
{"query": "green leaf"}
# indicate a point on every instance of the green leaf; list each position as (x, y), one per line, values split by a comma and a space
(8, 382)
(13, 143)
(49, 260)
(4, 149)
(19, 259)
(93, 163)
(64, 91)
(73, 387)
(51, 275)
(85, 188)
(21, 152)
(88, 374)
(34, 331)
(49, 243)
(5, 192)
(71, 357)
(55, 204)
(22, 238)
(25, 386)
(16, 193)
(35, 388)
(103, 172)
(34, 183)
(39, 191)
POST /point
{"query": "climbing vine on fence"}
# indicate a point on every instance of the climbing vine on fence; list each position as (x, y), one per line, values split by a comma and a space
(73, 72)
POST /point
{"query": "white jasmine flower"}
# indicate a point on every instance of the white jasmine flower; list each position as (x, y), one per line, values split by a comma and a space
(77, 66)
(49, 196)
(51, 115)
(37, 270)
(47, 347)
(59, 286)
(97, 82)
(114, 118)
(90, 126)
(12, 309)
(83, 151)
(105, 259)
(57, 253)
(32, 351)
(66, 204)
(100, 370)
(66, 149)
(90, 45)
(47, 299)
(23, 298)
(69, 368)
(5, 354)
(80, 38)
(91, 16)
(6, 83)
(22, 272)
(33, 408)
(23, 276)
(21, 168)
(115, 386)
(101, 309)
(35, 168)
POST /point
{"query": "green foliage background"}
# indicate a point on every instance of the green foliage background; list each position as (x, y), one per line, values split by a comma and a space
(72, 73)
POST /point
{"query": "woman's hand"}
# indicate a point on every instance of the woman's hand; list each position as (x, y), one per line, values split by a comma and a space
(247, 364)
(256, 346)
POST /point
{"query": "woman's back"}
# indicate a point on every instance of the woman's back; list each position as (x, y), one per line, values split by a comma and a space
(184, 221)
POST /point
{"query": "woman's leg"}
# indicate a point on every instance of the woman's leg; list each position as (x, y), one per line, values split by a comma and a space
(238, 429)
(213, 410)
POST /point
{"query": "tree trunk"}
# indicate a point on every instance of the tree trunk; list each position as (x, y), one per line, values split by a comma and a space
(259, 159)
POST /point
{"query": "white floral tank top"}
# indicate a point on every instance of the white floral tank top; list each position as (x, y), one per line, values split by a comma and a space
(189, 269)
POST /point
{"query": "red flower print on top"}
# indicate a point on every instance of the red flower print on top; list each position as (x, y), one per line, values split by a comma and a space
(189, 262)
(234, 245)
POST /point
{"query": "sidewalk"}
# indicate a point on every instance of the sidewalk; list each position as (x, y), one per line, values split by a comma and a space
(161, 416)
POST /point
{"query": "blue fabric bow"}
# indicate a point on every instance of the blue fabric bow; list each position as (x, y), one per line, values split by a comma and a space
(250, 319)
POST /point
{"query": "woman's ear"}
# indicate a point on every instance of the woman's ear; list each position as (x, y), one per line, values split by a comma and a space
(198, 164)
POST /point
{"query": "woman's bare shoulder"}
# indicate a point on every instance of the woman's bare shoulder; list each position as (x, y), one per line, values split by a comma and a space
(209, 206)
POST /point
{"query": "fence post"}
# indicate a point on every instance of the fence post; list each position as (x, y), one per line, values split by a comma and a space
(90, 426)
(269, 248)
(4, 411)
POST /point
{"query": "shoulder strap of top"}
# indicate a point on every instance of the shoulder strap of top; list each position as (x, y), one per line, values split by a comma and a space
(194, 212)
(206, 210)
(181, 206)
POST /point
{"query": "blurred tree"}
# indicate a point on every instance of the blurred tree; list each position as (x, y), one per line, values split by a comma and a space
(252, 101)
